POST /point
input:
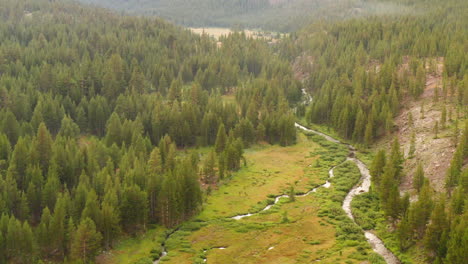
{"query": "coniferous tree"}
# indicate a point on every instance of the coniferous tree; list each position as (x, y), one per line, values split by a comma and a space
(377, 167)
(43, 147)
(10, 127)
(86, 241)
(133, 209)
(421, 211)
(209, 173)
(110, 224)
(221, 138)
(457, 245)
(418, 178)
(412, 148)
(443, 117)
(435, 238)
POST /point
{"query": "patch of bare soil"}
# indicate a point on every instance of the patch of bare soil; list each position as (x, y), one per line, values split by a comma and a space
(435, 154)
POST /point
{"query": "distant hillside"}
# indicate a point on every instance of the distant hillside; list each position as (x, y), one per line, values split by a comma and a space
(278, 15)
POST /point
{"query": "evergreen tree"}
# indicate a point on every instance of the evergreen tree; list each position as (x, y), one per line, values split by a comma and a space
(110, 224)
(369, 134)
(443, 117)
(457, 245)
(435, 238)
(114, 130)
(209, 173)
(86, 241)
(221, 138)
(418, 178)
(377, 167)
(421, 211)
(68, 128)
(10, 127)
(133, 209)
(412, 148)
(43, 147)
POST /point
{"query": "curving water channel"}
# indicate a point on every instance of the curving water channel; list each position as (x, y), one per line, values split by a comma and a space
(362, 187)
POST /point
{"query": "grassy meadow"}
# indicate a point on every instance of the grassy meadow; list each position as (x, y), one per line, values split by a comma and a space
(299, 230)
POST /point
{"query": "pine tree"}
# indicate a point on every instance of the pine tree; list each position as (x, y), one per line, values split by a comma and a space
(221, 165)
(436, 130)
(155, 162)
(113, 79)
(133, 209)
(19, 162)
(455, 133)
(43, 147)
(457, 245)
(405, 234)
(443, 117)
(114, 130)
(421, 211)
(221, 138)
(418, 178)
(68, 128)
(51, 189)
(369, 134)
(137, 80)
(10, 127)
(43, 233)
(412, 148)
(209, 173)
(110, 224)
(86, 241)
(396, 159)
(57, 226)
(434, 239)
(377, 167)
(91, 209)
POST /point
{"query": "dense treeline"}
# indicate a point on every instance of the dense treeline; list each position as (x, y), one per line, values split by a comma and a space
(276, 15)
(435, 223)
(360, 74)
(101, 116)
(362, 70)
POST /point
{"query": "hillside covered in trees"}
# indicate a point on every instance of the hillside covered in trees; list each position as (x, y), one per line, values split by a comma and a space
(276, 15)
(363, 74)
(111, 125)
(101, 118)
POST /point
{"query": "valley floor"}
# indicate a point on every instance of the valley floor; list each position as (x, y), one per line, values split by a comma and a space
(310, 228)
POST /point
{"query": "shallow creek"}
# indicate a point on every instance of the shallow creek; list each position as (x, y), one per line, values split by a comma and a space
(362, 187)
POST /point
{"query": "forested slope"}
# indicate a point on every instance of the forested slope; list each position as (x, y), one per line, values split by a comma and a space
(101, 116)
(379, 80)
(279, 15)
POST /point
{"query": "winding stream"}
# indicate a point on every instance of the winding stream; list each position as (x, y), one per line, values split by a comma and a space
(362, 187)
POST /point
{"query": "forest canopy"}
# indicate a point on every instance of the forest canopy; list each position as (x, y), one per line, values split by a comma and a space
(101, 117)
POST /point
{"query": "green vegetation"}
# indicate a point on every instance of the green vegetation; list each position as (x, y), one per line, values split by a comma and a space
(278, 15)
(324, 230)
(101, 118)
(427, 229)
(122, 137)
(360, 71)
